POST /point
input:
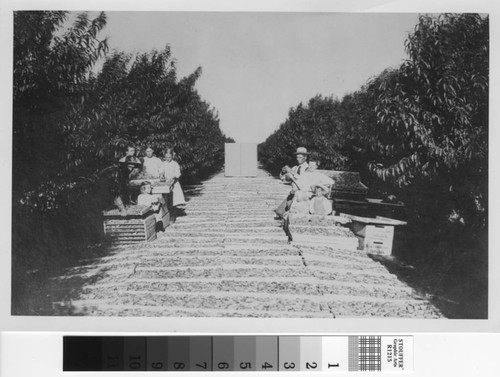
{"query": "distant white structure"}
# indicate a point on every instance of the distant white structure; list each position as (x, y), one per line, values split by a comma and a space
(240, 160)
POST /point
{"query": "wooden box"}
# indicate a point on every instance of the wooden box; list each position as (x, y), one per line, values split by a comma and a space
(165, 216)
(138, 226)
(378, 239)
(376, 207)
(376, 234)
(352, 207)
(382, 247)
(158, 186)
(378, 231)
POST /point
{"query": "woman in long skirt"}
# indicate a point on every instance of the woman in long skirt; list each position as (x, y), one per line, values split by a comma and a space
(171, 171)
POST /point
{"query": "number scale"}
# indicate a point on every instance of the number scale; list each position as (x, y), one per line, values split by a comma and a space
(238, 353)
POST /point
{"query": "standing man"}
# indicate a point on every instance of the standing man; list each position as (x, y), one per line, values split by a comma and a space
(290, 175)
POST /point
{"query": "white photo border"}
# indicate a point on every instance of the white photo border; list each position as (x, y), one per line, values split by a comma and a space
(231, 325)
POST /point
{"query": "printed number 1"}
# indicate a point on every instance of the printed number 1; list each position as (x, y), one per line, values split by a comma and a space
(333, 365)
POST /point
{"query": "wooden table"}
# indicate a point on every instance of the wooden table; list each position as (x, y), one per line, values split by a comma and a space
(158, 186)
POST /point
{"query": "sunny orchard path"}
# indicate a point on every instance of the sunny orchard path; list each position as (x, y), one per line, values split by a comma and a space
(229, 257)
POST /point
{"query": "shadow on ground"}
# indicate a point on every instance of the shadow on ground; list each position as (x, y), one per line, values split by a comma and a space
(447, 290)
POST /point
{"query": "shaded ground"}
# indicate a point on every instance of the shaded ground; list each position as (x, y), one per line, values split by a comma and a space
(459, 292)
(229, 257)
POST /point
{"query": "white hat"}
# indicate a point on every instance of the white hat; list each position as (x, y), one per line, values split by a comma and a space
(302, 150)
(323, 187)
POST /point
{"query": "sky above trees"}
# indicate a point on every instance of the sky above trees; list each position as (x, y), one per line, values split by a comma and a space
(256, 66)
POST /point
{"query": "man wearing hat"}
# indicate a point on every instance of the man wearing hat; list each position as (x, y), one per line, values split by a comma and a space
(291, 175)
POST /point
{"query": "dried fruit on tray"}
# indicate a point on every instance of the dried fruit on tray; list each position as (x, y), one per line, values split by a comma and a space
(135, 210)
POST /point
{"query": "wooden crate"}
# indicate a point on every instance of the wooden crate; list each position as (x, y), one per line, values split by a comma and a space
(157, 185)
(376, 207)
(139, 225)
(165, 216)
(378, 239)
(376, 234)
(382, 247)
(378, 231)
(131, 230)
(352, 207)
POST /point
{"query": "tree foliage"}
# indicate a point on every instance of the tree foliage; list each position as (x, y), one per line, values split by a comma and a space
(50, 74)
(322, 126)
(70, 122)
(432, 115)
(420, 130)
(142, 103)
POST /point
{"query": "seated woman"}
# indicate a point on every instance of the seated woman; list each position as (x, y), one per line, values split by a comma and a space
(151, 165)
(171, 172)
(146, 198)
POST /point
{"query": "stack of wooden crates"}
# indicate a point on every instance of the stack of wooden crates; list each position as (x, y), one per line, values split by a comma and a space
(376, 234)
(139, 225)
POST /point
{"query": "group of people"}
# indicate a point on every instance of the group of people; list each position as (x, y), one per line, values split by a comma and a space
(150, 167)
(309, 193)
(310, 187)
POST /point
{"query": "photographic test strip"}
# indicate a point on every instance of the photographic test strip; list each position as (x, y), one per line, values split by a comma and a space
(287, 353)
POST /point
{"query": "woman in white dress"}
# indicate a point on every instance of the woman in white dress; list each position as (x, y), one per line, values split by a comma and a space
(151, 165)
(171, 172)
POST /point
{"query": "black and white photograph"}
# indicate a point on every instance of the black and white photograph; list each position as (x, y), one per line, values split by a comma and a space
(252, 165)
